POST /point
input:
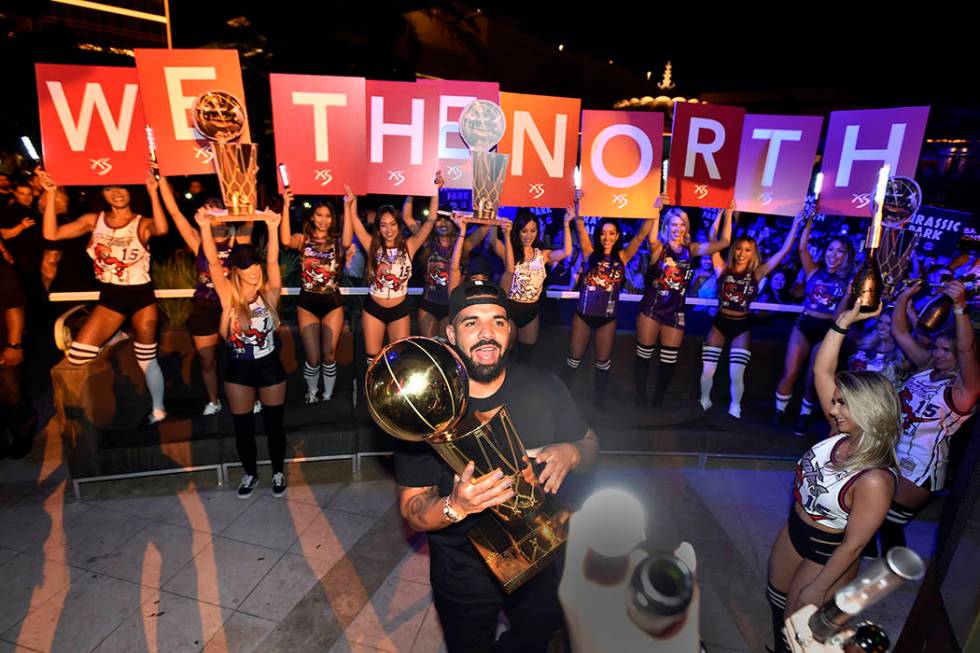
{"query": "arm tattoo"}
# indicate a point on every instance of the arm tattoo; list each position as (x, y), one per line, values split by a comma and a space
(418, 504)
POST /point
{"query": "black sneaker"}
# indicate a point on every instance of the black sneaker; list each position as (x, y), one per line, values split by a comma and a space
(802, 427)
(248, 484)
(278, 484)
(777, 417)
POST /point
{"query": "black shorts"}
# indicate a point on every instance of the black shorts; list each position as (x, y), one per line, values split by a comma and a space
(126, 299)
(523, 313)
(813, 328)
(11, 292)
(385, 314)
(205, 317)
(812, 543)
(596, 321)
(319, 304)
(732, 327)
(438, 311)
(255, 372)
(672, 319)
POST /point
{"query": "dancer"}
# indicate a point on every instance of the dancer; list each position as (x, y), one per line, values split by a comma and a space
(739, 283)
(599, 294)
(319, 311)
(661, 316)
(205, 307)
(249, 319)
(524, 278)
(120, 251)
(826, 284)
(935, 403)
(390, 254)
(844, 484)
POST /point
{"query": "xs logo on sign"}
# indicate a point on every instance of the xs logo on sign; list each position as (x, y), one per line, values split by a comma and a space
(765, 198)
(206, 154)
(536, 189)
(102, 165)
(861, 200)
(454, 172)
(620, 200)
(323, 176)
(701, 190)
(398, 176)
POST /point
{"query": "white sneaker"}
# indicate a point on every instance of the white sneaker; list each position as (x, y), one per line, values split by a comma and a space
(706, 403)
(157, 416)
(278, 484)
(212, 408)
(311, 397)
(735, 411)
(257, 408)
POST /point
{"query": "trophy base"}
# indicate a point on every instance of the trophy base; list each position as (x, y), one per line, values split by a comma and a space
(220, 215)
(517, 550)
(477, 218)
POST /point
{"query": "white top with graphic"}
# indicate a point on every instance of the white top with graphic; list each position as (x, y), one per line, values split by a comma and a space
(257, 341)
(928, 422)
(118, 255)
(820, 488)
(392, 271)
(528, 281)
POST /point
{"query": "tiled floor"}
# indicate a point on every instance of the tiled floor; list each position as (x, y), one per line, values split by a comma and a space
(178, 564)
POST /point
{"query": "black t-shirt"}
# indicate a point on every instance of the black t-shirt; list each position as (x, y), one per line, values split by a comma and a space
(543, 413)
(26, 247)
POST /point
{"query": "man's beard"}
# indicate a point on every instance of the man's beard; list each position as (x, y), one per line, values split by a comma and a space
(484, 373)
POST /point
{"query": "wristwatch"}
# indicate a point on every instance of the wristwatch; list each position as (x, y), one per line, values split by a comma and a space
(14, 345)
(449, 513)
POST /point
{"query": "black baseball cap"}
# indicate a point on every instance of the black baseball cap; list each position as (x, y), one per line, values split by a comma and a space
(243, 256)
(472, 293)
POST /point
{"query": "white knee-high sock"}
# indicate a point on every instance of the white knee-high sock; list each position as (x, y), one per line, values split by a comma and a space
(146, 357)
(737, 360)
(329, 372)
(311, 374)
(709, 363)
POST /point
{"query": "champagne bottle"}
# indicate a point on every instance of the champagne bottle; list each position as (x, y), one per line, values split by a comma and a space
(659, 593)
(877, 581)
(936, 312)
(869, 638)
(868, 286)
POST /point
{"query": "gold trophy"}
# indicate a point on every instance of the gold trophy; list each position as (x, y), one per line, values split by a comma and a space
(220, 118)
(482, 125)
(417, 391)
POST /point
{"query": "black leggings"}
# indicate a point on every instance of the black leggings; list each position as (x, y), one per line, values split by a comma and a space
(533, 611)
(245, 438)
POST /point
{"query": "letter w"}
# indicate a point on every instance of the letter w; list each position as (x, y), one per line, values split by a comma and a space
(94, 99)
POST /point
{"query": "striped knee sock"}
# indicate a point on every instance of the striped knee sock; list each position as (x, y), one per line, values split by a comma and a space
(709, 363)
(329, 372)
(146, 358)
(737, 360)
(80, 354)
(311, 374)
(782, 401)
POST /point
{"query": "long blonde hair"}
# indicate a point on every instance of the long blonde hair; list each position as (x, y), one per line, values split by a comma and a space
(874, 406)
(240, 312)
(665, 225)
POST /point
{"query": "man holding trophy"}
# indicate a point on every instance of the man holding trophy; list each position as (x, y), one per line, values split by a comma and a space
(473, 576)
(462, 417)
